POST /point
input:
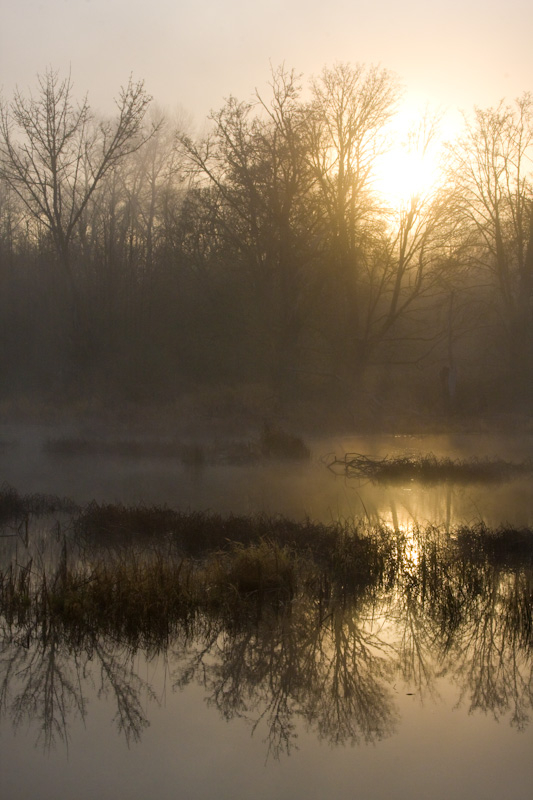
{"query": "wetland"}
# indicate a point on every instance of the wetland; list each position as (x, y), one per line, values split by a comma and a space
(267, 627)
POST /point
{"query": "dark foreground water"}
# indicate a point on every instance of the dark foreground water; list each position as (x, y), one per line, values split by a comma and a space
(417, 683)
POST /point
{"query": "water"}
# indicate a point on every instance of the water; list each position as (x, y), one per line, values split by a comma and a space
(419, 687)
(293, 489)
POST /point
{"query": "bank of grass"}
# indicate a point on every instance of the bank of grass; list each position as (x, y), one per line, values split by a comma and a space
(428, 469)
(142, 597)
(140, 570)
(137, 572)
(143, 594)
(351, 546)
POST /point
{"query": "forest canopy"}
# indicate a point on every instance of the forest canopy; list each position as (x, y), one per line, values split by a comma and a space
(286, 248)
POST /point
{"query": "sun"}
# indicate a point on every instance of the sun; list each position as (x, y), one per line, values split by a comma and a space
(411, 166)
(402, 175)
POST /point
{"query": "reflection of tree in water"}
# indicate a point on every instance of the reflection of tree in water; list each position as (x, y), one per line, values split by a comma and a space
(118, 678)
(43, 676)
(297, 661)
(492, 654)
(48, 677)
(329, 654)
(351, 699)
(465, 611)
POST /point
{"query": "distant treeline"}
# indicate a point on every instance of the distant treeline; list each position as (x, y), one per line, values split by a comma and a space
(139, 261)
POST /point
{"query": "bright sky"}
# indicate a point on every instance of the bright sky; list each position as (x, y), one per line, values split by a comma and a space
(194, 53)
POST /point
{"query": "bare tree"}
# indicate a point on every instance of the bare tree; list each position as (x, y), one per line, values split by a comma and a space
(491, 166)
(54, 154)
(255, 161)
(349, 109)
(380, 261)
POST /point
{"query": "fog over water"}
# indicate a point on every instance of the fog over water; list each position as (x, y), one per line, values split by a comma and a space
(297, 489)
(251, 255)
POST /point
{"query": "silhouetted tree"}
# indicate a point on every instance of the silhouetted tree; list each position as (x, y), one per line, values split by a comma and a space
(349, 109)
(381, 264)
(54, 155)
(255, 160)
(492, 177)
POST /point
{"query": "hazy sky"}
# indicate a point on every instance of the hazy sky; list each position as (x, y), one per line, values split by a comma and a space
(193, 54)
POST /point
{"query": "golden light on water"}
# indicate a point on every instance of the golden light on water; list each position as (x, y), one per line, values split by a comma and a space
(409, 531)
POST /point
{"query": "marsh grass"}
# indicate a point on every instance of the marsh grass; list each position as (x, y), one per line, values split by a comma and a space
(250, 555)
(141, 593)
(142, 599)
(138, 572)
(145, 592)
(504, 546)
(131, 598)
(428, 469)
(349, 548)
(274, 632)
(261, 569)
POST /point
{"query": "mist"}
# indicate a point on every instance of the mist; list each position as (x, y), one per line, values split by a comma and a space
(259, 274)
(265, 444)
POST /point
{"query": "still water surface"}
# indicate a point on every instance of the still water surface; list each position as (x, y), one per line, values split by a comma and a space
(293, 489)
(405, 691)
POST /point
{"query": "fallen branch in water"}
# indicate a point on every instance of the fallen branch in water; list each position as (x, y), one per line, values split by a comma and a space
(427, 469)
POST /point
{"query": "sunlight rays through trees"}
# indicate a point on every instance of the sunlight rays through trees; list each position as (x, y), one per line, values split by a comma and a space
(310, 242)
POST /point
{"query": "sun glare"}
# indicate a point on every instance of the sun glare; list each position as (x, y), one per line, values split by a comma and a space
(402, 175)
(411, 166)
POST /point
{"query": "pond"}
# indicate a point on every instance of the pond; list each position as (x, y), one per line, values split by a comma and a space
(296, 489)
(395, 666)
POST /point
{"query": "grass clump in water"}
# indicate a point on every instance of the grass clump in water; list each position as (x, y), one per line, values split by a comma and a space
(351, 552)
(260, 569)
(274, 442)
(142, 593)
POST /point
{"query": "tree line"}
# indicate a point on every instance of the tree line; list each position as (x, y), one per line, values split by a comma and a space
(140, 260)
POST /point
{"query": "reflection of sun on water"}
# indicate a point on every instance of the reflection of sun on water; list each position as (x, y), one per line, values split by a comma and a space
(409, 532)
(411, 548)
